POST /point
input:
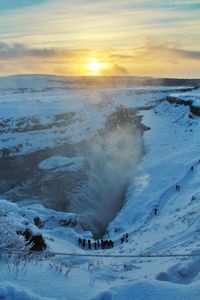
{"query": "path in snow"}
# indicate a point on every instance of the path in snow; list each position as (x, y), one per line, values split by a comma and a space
(172, 221)
(168, 194)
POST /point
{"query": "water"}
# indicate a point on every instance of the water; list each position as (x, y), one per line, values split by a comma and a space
(112, 158)
(96, 193)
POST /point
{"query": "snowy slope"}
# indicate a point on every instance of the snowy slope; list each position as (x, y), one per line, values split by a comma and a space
(193, 96)
(171, 148)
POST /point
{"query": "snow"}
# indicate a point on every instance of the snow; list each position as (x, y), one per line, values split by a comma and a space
(12, 293)
(69, 164)
(193, 96)
(53, 128)
(150, 290)
(171, 149)
(35, 110)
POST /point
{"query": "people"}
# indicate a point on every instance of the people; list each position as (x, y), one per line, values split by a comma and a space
(192, 168)
(155, 211)
(111, 244)
(126, 237)
(83, 243)
(89, 244)
(103, 244)
(98, 244)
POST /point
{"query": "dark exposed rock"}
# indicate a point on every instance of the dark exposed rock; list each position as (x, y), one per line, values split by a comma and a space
(175, 100)
(37, 241)
(194, 110)
(69, 222)
(38, 222)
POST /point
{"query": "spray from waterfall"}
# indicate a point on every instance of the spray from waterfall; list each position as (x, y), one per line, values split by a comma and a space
(111, 158)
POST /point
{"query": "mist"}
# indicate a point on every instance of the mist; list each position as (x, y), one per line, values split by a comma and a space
(111, 158)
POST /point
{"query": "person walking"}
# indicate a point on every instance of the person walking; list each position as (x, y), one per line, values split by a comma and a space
(102, 244)
(126, 237)
(98, 244)
(83, 243)
(95, 245)
(89, 244)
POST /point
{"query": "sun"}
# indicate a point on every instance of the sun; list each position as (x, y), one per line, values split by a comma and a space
(95, 66)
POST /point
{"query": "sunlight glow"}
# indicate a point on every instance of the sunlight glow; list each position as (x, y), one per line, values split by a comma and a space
(95, 67)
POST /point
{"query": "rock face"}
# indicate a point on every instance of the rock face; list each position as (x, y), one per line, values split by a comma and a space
(87, 178)
(195, 110)
(175, 100)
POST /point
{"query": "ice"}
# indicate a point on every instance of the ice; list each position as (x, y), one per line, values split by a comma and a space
(171, 148)
(70, 164)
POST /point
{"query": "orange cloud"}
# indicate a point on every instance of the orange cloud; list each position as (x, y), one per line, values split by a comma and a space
(151, 59)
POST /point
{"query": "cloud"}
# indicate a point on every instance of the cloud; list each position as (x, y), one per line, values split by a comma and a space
(195, 55)
(115, 69)
(170, 51)
(13, 51)
(58, 36)
(150, 59)
(80, 24)
(15, 4)
(153, 51)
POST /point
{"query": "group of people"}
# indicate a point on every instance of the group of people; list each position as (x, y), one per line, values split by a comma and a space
(102, 244)
(124, 238)
(107, 244)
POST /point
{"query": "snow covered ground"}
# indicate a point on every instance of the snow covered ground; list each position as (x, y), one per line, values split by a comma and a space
(62, 163)
(193, 96)
(171, 157)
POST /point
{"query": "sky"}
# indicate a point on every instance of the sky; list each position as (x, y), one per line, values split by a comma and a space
(106, 37)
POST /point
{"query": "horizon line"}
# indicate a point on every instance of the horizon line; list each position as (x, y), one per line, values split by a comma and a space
(98, 76)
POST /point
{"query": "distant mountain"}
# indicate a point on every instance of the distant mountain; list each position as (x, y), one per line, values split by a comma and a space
(37, 81)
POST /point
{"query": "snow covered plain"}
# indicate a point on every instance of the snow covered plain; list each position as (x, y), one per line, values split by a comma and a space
(40, 114)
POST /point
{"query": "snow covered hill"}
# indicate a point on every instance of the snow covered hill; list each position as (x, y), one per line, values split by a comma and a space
(76, 159)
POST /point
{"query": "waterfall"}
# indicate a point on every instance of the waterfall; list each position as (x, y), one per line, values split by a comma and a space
(111, 158)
